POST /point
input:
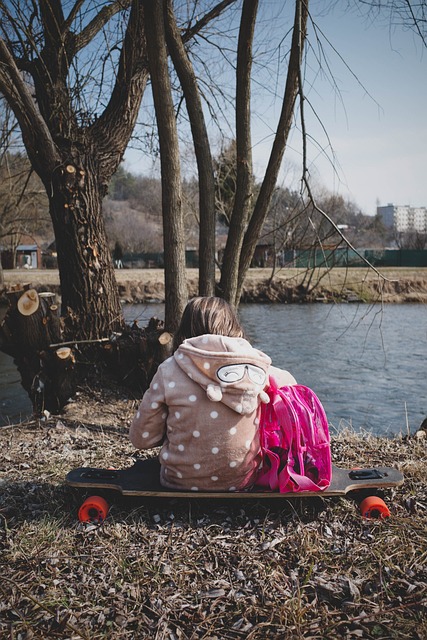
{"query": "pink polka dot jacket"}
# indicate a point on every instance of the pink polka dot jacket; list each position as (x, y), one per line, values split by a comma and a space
(203, 405)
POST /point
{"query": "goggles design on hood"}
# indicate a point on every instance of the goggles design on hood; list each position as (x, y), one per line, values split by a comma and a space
(235, 372)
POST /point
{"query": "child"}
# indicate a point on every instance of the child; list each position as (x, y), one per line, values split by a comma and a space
(203, 404)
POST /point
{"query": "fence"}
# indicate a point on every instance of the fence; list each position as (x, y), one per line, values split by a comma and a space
(305, 258)
(346, 257)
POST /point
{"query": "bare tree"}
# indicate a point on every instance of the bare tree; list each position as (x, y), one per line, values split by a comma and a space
(137, 231)
(74, 151)
(202, 151)
(411, 240)
(173, 221)
(245, 231)
(74, 74)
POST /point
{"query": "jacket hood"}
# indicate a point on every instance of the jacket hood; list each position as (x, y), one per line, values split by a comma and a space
(230, 370)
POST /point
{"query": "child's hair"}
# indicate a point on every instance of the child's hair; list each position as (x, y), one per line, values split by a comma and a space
(208, 315)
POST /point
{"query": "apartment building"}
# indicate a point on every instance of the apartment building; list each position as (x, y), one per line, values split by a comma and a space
(404, 218)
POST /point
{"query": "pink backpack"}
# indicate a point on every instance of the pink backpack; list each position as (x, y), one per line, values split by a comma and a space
(295, 442)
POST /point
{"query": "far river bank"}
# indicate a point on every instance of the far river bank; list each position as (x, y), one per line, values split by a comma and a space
(395, 285)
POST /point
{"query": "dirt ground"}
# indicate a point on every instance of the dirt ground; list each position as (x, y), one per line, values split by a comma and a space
(175, 569)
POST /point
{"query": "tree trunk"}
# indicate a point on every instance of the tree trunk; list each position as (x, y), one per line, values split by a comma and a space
(230, 268)
(90, 300)
(176, 292)
(193, 102)
(279, 145)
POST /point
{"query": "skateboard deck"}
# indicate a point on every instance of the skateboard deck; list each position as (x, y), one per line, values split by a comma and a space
(143, 479)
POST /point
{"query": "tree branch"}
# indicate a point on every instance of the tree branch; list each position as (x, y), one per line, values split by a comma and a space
(206, 19)
(34, 130)
(99, 21)
(306, 182)
(112, 130)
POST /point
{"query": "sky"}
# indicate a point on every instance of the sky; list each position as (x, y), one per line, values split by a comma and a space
(379, 135)
(376, 124)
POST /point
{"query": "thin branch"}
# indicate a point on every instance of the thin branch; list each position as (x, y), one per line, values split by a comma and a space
(72, 342)
(306, 183)
(213, 13)
(12, 85)
(100, 20)
(416, 22)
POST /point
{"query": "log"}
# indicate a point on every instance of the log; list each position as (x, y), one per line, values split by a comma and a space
(165, 350)
(50, 317)
(63, 354)
(35, 322)
(28, 302)
(165, 338)
(32, 322)
(56, 381)
(135, 354)
(48, 296)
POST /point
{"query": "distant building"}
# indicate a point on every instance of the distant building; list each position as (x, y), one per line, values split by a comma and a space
(404, 218)
(28, 255)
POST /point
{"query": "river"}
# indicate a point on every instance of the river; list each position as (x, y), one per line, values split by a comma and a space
(367, 363)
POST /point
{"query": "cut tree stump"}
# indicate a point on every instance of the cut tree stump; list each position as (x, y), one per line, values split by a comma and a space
(31, 324)
(135, 354)
(50, 369)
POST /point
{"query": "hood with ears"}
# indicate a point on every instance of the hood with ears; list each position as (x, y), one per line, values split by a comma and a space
(230, 370)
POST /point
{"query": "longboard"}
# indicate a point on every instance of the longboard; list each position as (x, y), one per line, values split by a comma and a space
(143, 479)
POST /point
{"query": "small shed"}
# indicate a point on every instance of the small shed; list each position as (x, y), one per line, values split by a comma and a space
(28, 256)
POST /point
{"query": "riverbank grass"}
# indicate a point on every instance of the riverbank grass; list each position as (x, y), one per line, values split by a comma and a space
(404, 284)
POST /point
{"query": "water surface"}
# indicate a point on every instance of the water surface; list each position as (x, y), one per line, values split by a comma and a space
(366, 363)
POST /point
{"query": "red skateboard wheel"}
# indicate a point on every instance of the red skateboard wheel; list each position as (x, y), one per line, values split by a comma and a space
(374, 507)
(93, 509)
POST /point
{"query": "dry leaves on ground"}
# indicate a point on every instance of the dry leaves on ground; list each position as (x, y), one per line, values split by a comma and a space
(192, 569)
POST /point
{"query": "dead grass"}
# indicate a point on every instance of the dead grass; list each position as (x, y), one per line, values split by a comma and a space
(176, 569)
(141, 285)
